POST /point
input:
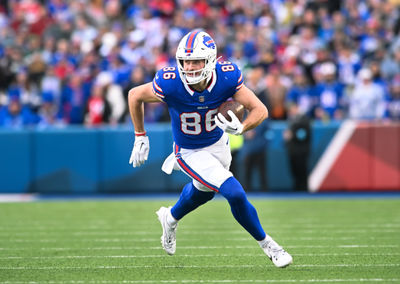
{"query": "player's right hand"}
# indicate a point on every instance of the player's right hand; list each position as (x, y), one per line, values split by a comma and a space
(140, 151)
(234, 127)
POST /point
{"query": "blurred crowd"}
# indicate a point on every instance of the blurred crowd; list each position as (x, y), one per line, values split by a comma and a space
(73, 62)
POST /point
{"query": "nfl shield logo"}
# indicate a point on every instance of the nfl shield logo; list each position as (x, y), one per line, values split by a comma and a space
(201, 99)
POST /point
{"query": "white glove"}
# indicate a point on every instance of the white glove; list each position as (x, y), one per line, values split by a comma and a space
(140, 151)
(232, 127)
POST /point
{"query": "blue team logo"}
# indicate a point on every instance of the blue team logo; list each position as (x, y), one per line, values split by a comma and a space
(209, 42)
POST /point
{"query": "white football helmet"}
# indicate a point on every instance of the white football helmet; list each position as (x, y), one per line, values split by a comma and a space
(194, 46)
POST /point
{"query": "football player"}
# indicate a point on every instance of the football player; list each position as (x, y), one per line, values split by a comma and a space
(193, 91)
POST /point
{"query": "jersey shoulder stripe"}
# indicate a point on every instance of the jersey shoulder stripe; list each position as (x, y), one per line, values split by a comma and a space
(240, 81)
(157, 90)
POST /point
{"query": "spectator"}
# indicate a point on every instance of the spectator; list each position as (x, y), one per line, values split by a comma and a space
(15, 115)
(349, 63)
(73, 100)
(298, 144)
(254, 149)
(254, 152)
(26, 91)
(114, 96)
(329, 93)
(367, 101)
(133, 50)
(300, 93)
(87, 37)
(277, 87)
(393, 107)
(48, 115)
(390, 66)
(50, 83)
(98, 108)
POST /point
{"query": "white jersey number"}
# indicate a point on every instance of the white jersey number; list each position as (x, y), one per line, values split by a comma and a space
(191, 122)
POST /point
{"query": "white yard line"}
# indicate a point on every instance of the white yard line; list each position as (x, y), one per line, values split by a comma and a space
(5, 198)
(334, 280)
(241, 239)
(199, 247)
(190, 255)
(48, 228)
(4, 234)
(186, 266)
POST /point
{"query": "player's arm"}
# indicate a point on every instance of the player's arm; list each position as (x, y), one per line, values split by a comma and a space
(136, 98)
(257, 110)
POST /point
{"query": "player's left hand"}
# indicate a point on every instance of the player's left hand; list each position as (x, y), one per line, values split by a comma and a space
(140, 151)
(234, 127)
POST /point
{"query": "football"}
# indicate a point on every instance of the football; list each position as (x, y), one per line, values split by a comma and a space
(234, 106)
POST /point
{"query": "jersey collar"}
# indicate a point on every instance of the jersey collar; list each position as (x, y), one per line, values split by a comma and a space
(211, 84)
(213, 81)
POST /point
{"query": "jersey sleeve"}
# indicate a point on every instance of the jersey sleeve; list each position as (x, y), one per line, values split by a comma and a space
(157, 85)
(240, 80)
(232, 73)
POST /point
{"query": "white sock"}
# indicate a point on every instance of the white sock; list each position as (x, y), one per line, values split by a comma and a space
(171, 220)
(265, 241)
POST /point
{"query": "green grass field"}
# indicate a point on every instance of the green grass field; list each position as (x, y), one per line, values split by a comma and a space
(338, 240)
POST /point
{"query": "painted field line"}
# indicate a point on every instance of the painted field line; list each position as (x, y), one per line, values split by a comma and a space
(335, 280)
(198, 247)
(247, 238)
(105, 227)
(120, 256)
(188, 266)
(198, 232)
(17, 197)
(189, 255)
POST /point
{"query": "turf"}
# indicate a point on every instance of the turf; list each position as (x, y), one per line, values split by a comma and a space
(346, 241)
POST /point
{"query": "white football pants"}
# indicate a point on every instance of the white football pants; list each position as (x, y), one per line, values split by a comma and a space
(208, 166)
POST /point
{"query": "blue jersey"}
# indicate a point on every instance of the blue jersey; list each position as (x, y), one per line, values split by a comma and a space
(192, 112)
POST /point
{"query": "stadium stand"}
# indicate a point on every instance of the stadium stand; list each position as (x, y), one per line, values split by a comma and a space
(55, 55)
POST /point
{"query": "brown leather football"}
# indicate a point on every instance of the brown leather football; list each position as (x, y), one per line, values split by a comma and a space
(234, 106)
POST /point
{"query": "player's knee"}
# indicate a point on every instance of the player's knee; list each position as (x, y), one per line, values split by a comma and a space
(202, 196)
(237, 197)
(233, 191)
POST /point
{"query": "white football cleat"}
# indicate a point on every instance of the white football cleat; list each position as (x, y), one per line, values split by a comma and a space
(168, 237)
(276, 253)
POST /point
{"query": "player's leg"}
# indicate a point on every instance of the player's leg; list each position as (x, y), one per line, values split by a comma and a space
(209, 169)
(190, 199)
(193, 194)
(245, 213)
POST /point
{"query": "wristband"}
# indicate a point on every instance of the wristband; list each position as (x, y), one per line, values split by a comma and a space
(140, 133)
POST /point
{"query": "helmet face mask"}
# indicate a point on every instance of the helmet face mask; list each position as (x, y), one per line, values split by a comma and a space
(196, 45)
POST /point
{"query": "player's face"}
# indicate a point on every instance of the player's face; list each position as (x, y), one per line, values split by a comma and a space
(193, 65)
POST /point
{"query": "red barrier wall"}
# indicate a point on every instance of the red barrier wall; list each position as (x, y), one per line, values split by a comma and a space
(368, 161)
